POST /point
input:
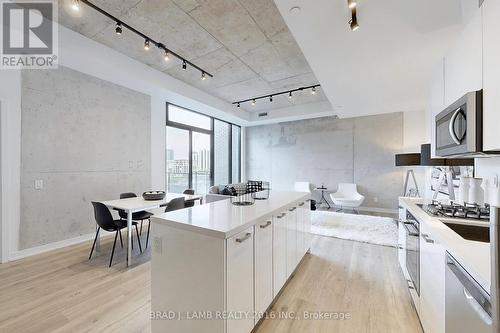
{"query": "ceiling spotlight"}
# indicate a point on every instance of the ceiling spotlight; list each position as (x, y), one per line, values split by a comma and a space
(75, 5)
(184, 65)
(166, 56)
(146, 45)
(238, 105)
(313, 91)
(203, 76)
(290, 95)
(352, 4)
(354, 21)
(270, 98)
(253, 102)
(118, 28)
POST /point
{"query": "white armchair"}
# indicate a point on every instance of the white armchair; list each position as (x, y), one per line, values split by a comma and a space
(347, 196)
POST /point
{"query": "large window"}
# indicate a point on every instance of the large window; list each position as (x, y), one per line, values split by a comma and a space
(201, 151)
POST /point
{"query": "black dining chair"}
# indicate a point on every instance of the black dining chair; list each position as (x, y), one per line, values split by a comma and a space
(105, 221)
(189, 203)
(137, 216)
(175, 204)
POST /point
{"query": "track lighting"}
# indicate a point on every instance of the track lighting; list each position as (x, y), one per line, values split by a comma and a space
(75, 5)
(118, 29)
(352, 4)
(253, 100)
(354, 21)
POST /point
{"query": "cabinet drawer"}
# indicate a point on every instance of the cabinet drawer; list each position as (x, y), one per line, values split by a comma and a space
(240, 281)
(263, 265)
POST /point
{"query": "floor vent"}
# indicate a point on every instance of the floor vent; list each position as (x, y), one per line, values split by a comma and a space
(263, 114)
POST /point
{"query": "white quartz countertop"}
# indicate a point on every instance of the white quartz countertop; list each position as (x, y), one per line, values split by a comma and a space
(473, 256)
(223, 219)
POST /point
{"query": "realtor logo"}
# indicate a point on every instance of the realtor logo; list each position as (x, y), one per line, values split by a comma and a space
(28, 34)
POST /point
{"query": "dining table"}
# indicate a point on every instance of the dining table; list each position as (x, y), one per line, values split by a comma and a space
(138, 204)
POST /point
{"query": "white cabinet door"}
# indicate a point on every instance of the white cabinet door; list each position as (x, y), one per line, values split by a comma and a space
(279, 252)
(240, 282)
(263, 265)
(491, 75)
(464, 61)
(432, 282)
(291, 241)
(300, 231)
(307, 226)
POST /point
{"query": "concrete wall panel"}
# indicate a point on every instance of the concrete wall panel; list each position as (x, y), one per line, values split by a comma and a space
(330, 151)
(86, 139)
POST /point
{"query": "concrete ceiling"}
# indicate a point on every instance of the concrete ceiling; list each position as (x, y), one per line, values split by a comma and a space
(246, 45)
(386, 65)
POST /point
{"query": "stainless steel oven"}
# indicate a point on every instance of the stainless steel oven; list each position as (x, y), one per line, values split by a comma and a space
(459, 127)
(412, 227)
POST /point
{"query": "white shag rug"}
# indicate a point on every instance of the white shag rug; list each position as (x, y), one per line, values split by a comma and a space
(361, 228)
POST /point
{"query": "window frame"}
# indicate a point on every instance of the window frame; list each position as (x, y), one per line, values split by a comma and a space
(210, 132)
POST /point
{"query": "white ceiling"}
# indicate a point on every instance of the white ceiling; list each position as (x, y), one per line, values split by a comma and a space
(386, 65)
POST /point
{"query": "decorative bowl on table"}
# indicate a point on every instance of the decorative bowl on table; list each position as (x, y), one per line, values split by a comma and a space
(243, 200)
(153, 195)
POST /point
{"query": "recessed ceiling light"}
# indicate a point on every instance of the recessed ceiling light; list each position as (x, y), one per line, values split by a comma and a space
(295, 10)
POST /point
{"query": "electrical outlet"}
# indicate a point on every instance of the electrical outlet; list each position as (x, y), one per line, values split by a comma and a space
(38, 184)
(157, 245)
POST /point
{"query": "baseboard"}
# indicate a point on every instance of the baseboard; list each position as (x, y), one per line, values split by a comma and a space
(50, 247)
(379, 210)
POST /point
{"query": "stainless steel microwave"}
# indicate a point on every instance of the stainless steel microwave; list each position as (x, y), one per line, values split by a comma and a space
(459, 128)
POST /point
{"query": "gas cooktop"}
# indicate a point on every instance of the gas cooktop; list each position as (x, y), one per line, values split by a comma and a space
(455, 210)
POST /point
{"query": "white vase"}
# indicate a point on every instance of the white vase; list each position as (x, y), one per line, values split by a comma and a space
(463, 190)
(486, 190)
(476, 193)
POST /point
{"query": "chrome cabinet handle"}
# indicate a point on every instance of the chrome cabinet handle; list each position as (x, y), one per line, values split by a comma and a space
(263, 226)
(301, 204)
(244, 238)
(292, 209)
(427, 239)
(477, 308)
(281, 216)
(451, 126)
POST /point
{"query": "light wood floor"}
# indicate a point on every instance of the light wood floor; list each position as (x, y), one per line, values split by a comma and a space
(63, 292)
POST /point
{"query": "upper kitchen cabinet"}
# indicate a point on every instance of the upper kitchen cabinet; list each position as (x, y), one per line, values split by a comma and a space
(463, 71)
(491, 75)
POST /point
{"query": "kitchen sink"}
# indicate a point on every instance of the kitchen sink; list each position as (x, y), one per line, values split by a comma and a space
(470, 231)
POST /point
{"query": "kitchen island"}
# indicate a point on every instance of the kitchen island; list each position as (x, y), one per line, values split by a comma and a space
(217, 268)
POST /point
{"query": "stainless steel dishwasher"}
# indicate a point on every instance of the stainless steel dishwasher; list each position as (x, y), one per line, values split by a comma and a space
(468, 307)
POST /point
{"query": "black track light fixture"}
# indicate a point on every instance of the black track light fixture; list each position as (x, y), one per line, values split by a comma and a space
(238, 105)
(148, 41)
(118, 28)
(271, 97)
(353, 23)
